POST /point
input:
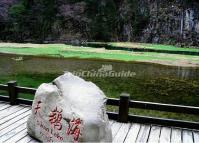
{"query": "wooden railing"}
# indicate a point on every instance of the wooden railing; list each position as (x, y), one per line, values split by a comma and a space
(124, 104)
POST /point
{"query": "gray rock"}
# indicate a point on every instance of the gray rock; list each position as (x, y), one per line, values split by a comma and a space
(69, 110)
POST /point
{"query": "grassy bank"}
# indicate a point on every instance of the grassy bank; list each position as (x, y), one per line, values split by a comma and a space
(68, 51)
(154, 46)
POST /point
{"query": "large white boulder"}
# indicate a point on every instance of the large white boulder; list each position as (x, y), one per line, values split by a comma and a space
(69, 109)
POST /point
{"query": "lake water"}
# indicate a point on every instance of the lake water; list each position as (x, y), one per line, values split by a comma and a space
(152, 82)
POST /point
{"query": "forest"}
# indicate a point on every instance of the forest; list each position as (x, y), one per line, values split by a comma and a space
(173, 22)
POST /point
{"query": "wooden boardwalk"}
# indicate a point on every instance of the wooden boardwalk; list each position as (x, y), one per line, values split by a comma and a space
(13, 129)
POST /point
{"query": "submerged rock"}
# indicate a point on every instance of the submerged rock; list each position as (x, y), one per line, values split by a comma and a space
(69, 109)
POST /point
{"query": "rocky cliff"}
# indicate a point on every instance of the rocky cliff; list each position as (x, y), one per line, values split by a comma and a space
(172, 22)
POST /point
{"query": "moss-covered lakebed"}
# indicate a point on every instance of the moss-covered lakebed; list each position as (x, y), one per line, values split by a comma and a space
(151, 82)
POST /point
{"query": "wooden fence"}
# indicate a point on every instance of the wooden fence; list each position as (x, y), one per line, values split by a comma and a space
(124, 103)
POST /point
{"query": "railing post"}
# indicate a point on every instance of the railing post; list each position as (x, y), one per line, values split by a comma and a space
(12, 92)
(124, 108)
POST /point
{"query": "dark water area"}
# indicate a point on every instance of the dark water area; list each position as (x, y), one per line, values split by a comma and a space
(111, 47)
(151, 82)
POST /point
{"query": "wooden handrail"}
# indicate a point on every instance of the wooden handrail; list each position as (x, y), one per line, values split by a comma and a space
(123, 103)
(164, 122)
(157, 106)
(164, 107)
(3, 87)
(26, 90)
(113, 101)
(132, 103)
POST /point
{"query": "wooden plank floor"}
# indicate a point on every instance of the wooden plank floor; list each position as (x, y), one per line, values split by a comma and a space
(13, 129)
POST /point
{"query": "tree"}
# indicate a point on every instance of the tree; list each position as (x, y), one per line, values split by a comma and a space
(44, 18)
(103, 14)
(131, 19)
(33, 19)
(18, 16)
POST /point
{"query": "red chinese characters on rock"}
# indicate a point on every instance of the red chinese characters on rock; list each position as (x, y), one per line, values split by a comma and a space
(55, 118)
(74, 129)
(38, 107)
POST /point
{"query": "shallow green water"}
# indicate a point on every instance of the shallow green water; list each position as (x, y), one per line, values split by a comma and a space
(152, 82)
